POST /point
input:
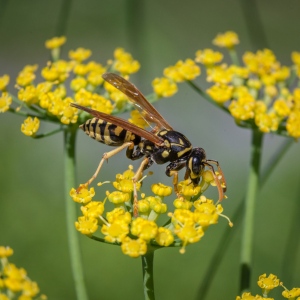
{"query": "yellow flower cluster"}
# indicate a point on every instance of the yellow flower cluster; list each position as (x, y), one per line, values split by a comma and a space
(267, 284)
(14, 282)
(258, 93)
(49, 99)
(191, 216)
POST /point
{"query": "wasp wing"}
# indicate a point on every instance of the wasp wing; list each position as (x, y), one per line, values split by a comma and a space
(122, 123)
(147, 110)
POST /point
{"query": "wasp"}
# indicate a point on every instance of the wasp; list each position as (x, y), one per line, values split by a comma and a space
(160, 145)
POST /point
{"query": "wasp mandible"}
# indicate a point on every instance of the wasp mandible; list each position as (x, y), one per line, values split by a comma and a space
(160, 145)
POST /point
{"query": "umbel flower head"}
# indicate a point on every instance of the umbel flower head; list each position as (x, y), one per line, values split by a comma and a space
(112, 219)
(15, 281)
(50, 99)
(258, 92)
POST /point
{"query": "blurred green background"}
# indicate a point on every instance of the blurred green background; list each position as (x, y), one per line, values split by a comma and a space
(157, 33)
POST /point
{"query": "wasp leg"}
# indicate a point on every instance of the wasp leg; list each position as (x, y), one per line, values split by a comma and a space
(146, 163)
(105, 157)
(172, 170)
(217, 181)
(224, 186)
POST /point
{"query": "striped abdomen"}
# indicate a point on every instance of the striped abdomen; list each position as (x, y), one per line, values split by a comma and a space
(108, 133)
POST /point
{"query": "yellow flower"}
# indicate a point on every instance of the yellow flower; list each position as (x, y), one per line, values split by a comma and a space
(4, 81)
(220, 92)
(55, 42)
(164, 87)
(95, 78)
(87, 225)
(208, 57)
(189, 233)
(6, 251)
(219, 74)
(93, 209)
(267, 283)
(281, 107)
(182, 203)
(80, 69)
(137, 119)
(296, 57)
(28, 95)
(293, 124)
(30, 126)
(68, 114)
(183, 70)
(29, 289)
(120, 214)
(80, 54)
(134, 248)
(156, 205)
(228, 39)
(267, 122)
(243, 108)
(164, 237)
(82, 194)
(5, 102)
(83, 97)
(78, 83)
(187, 189)
(246, 296)
(100, 103)
(25, 78)
(124, 63)
(161, 190)
(116, 231)
(144, 229)
(291, 294)
(118, 197)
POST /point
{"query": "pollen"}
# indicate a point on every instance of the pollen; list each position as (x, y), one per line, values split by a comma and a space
(30, 126)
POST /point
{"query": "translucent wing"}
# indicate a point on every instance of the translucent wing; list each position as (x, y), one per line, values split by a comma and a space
(147, 110)
(122, 123)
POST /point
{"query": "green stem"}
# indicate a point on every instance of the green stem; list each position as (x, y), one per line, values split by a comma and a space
(250, 201)
(148, 279)
(71, 216)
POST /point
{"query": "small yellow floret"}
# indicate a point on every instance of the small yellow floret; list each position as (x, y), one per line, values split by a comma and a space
(30, 126)
(267, 283)
(164, 237)
(228, 39)
(144, 229)
(291, 294)
(161, 190)
(164, 87)
(4, 81)
(116, 231)
(93, 209)
(208, 57)
(80, 54)
(134, 248)
(6, 251)
(86, 225)
(5, 102)
(220, 92)
(55, 42)
(82, 194)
